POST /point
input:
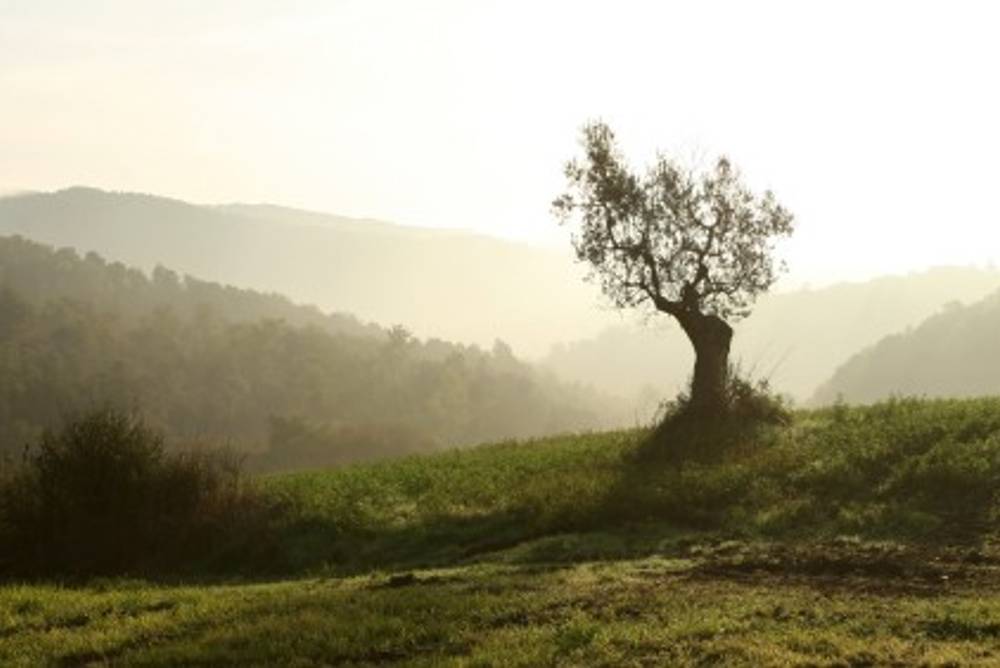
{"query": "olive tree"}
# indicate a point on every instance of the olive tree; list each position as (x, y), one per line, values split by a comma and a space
(695, 246)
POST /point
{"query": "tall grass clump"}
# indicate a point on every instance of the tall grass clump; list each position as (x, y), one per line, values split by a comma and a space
(103, 495)
(682, 434)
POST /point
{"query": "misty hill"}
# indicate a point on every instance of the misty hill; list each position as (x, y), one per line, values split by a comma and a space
(39, 273)
(471, 288)
(448, 284)
(796, 339)
(204, 361)
(953, 353)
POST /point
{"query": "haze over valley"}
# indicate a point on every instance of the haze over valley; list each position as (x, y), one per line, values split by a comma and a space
(451, 333)
(474, 289)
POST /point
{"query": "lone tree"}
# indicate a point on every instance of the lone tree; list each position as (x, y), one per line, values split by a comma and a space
(694, 246)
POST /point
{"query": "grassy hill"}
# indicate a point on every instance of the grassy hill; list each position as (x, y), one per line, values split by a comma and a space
(853, 536)
(902, 470)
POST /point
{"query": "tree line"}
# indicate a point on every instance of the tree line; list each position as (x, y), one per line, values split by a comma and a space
(289, 384)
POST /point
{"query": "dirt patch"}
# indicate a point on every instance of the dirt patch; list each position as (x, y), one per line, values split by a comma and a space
(877, 568)
(961, 629)
(409, 579)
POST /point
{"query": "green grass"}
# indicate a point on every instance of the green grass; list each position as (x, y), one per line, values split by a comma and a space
(651, 611)
(902, 470)
(854, 536)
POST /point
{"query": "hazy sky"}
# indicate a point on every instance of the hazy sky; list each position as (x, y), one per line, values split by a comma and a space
(877, 123)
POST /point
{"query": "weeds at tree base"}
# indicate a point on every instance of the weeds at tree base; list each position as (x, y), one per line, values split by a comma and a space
(685, 433)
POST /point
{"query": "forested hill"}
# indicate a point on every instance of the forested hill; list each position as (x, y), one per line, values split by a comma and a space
(38, 273)
(955, 353)
(204, 361)
(448, 284)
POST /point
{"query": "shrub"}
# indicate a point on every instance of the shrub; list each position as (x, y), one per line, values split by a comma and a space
(683, 434)
(104, 496)
(755, 402)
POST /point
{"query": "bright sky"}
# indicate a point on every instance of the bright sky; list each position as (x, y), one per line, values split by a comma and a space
(877, 123)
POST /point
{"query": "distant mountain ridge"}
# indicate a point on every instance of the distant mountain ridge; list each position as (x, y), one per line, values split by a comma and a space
(288, 215)
(40, 274)
(796, 340)
(443, 283)
(954, 353)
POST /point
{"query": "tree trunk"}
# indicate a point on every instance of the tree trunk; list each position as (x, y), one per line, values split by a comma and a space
(710, 336)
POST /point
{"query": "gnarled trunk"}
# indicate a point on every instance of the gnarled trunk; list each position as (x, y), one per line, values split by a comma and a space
(710, 336)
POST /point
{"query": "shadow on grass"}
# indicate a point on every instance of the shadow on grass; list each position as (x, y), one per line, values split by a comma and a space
(689, 482)
(888, 473)
(640, 511)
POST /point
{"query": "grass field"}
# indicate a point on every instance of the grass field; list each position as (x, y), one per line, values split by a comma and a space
(854, 536)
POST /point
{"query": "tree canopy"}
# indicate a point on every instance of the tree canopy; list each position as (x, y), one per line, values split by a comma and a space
(695, 246)
(671, 238)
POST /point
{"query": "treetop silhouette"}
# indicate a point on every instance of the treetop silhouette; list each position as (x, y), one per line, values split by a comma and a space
(696, 246)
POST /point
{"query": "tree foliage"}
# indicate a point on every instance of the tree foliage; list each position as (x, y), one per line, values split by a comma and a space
(695, 246)
(671, 239)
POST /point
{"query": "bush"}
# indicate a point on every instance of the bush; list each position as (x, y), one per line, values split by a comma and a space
(104, 496)
(683, 434)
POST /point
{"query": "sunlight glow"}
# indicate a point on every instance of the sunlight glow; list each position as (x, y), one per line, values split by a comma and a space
(875, 123)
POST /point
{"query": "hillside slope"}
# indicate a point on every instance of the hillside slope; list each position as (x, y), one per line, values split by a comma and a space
(954, 353)
(901, 469)
(40, 273)
(471, 288)
(854, 536)
(210, 362)
(795, 339)
(447, 284)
